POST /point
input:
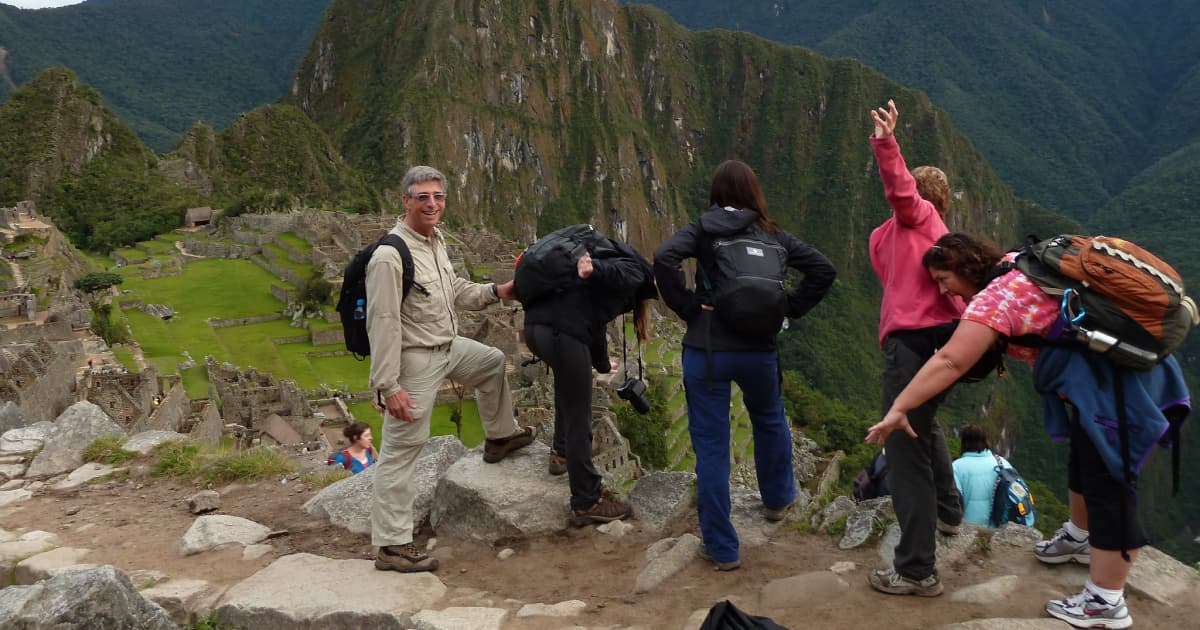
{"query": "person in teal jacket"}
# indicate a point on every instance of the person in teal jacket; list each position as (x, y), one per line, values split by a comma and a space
(975, 474)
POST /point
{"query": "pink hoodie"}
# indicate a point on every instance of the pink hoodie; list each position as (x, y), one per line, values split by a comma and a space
(911, 299)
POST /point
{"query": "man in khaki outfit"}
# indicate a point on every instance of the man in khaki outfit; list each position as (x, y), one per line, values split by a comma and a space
(414, 347)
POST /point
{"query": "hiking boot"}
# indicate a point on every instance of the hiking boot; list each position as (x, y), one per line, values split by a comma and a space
(404, 558)
(947, 528)
(607, 509)
(717, 564)
(1089, 610)
(778, 514)
(1062, 548)
(498, 449)
(558, 463)
(888, 581)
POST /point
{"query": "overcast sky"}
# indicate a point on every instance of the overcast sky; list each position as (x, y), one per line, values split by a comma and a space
(39, 4)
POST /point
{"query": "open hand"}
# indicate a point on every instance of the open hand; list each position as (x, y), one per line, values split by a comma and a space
(885, 119)
(878, 433)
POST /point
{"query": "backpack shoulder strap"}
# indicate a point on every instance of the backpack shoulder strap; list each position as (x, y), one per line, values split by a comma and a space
(347, 459)
(408, 280)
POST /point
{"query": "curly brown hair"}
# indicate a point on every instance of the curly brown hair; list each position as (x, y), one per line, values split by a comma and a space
(933, 186)
(971, 257)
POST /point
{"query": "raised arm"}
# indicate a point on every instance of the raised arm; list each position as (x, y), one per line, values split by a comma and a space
(898, 184)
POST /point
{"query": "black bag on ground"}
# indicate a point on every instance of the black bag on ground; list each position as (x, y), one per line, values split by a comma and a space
(725, 616)
(550, 263)
(747, 290)
(352, 301)
(871, 481)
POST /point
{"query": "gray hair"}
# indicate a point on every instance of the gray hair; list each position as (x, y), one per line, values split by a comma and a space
(419, 175)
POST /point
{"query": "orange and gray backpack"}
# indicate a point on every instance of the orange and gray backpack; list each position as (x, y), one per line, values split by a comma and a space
(1117, 298)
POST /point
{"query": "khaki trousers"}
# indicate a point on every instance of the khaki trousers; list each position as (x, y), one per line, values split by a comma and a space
(468, 362)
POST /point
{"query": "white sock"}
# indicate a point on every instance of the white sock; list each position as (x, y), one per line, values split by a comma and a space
(1109, 595)
(1075, 532)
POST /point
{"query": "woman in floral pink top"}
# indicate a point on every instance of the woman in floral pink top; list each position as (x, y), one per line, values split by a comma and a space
(1012, 306)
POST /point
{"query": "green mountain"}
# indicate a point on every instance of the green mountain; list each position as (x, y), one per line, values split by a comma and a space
(164, 65)
(60, 147)
(1069, 101)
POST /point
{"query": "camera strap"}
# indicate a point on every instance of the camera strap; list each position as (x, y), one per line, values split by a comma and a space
(624, 341)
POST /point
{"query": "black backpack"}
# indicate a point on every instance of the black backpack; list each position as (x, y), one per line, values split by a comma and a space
(548, 265)
(747, 290)
(352, 303)
(871, 481)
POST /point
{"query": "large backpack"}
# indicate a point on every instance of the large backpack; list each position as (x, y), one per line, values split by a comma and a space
(1012, 502)
(1118, 298)
(549, 265)
(352, 302)
(747, 289)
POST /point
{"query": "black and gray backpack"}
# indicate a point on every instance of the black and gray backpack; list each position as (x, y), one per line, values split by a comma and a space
(748, 287)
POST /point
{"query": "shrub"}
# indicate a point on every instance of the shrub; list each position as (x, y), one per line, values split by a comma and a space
(177, 459)
(107, 450)
(322, 478)
(254, 463)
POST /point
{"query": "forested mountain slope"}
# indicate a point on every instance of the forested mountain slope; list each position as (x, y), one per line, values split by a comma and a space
(164, 65)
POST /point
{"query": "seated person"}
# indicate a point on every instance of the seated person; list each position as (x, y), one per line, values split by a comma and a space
(360, 454)
(975, 474)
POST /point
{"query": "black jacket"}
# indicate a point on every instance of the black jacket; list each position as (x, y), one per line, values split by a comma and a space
(583, 309)
(692, 241)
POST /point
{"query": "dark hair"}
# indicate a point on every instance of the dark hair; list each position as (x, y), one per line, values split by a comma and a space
(971, 257)
(354, 430)
(735, 185)
(974, 439)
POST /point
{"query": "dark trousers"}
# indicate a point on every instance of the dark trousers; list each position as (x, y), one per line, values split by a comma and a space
(921, 476)
(571, 362)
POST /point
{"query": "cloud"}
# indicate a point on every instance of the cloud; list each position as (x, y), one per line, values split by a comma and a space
(39, 4)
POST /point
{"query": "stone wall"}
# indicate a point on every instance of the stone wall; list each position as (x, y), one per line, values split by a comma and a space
(243, 321)
(29, 333)
(247, 398)
(212, 249)
(172, 411)
(281, 294)
(203, 423)
(326, 337)
(41, 377)
(126, 397)
(18, 304)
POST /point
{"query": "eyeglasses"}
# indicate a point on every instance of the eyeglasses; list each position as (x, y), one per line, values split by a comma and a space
(423, 197)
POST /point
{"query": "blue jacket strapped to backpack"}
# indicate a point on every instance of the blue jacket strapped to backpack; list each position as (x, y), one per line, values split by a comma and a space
(1084, 379)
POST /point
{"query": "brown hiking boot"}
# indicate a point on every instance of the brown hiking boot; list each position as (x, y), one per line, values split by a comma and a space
(404, 558)
(498, 449)
(558, 463)
(608, 508)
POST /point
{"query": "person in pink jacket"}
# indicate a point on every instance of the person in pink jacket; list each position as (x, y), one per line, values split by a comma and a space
(914, 319)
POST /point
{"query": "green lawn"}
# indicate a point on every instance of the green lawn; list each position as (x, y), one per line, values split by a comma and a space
(472, 430)
(295, 242)
(132, 256)
(125, 358)
(281, 259)
(157, 247)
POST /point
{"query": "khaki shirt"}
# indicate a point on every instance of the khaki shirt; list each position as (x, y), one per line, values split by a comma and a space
(423, 320)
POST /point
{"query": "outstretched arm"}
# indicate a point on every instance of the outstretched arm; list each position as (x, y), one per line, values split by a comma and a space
(966, 346)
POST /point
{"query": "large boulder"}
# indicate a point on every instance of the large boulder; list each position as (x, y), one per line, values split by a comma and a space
(26, 439)
(77, 427)
(307, 591)
(661, 499)
(101, 597)
(514, 498)
(145, 441)
(347, 503)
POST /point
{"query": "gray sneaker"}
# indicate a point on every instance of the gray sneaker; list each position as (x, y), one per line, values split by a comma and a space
(1062, 548)
(1089, 610)
(888, 581)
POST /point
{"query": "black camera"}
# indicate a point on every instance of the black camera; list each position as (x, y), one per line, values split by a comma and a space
(634, 390)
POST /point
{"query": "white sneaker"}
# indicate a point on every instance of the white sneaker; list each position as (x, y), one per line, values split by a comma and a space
(1062, 548)
(1089, 610)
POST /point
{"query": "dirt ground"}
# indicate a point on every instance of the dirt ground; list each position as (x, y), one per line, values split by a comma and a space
(137, 523)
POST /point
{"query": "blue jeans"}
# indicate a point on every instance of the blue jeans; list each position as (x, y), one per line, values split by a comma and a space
(758, 376)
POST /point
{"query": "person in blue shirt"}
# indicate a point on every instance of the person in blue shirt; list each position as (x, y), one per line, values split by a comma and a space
(360, 454)
(975, 474)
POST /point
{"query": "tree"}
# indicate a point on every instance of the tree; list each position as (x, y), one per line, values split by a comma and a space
(98, 281)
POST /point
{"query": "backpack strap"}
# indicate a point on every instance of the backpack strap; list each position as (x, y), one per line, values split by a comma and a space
(347, 459)
(408, 278)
